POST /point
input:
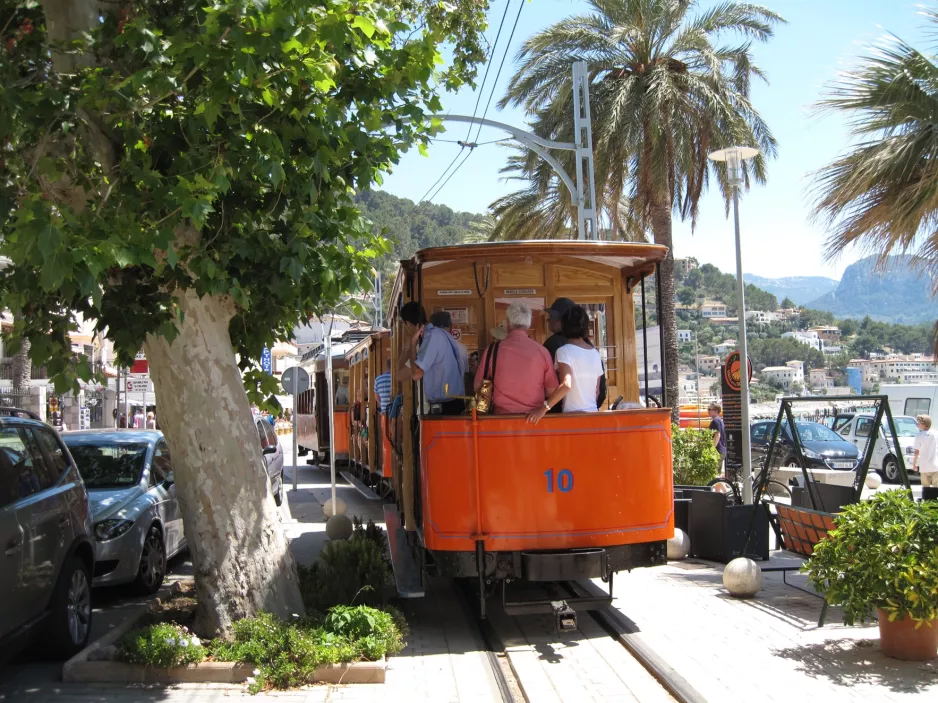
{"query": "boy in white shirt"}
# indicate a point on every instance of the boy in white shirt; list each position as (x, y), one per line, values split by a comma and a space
(925, 459)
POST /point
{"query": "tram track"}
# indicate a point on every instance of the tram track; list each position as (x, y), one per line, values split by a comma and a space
(604, 657)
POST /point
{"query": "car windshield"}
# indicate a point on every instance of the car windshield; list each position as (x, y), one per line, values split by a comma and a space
(109, 464)
(905, 426)
(815, 432)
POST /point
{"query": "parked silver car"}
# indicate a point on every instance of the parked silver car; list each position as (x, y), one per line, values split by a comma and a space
(273, 456)
(46, 538)
(137, 520)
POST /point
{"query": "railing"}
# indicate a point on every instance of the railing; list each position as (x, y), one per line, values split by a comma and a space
(6, 371)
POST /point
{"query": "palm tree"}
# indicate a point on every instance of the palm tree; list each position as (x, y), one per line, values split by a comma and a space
(663, 95)
(882, 195)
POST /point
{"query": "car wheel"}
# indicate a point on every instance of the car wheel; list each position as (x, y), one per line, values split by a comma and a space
(278, 496)
(70, 623)
(891, 470)
(792, 463)
(152, 563)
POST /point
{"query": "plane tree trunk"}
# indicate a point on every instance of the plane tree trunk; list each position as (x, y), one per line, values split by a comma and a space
(242, 560)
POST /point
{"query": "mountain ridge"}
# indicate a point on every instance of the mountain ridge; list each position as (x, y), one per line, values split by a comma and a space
(800, 289)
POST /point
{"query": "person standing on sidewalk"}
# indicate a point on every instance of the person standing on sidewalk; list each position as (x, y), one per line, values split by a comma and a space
(719, 433)
(925, 460)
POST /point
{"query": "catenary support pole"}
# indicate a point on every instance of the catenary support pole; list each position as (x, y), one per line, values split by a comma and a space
(743, 357)
(296, 466)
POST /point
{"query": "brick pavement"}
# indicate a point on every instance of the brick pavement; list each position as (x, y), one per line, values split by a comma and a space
(766, 649)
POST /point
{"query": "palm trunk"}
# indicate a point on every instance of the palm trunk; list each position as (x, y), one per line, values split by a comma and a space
(22, 369)
(242, 560)
(661, 227)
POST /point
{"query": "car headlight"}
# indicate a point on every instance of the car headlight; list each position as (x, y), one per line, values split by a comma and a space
(809, 454)
(111, 529)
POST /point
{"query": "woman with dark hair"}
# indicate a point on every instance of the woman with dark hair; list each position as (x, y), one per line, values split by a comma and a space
(579, 368)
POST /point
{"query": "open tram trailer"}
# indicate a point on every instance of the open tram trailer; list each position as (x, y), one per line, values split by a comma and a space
(369, 439)
(312, 405)
(492, 497)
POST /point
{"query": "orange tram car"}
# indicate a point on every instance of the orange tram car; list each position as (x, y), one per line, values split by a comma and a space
(495, 498)
(369, 430)
(312, 405)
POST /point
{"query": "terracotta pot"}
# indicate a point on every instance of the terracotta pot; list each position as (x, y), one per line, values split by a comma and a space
(901, 639)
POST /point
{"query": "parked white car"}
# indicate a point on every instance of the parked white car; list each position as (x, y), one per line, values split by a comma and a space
(857, 427)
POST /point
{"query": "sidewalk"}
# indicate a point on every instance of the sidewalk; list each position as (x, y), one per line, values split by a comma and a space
(766, 649)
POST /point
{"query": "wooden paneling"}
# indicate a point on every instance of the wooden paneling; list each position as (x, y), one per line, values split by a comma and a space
(570, 278)
(521, 274)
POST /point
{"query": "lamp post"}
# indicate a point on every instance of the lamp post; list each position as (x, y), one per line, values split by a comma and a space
(734, 157)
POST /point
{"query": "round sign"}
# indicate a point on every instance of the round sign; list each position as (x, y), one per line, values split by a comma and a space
(295, 380)
(457, 333)
(731, 371)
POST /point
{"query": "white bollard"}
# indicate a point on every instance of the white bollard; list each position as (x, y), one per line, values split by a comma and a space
(742, 577)
(679, 545)
(339, 504)
(339, 527)
(873, 480)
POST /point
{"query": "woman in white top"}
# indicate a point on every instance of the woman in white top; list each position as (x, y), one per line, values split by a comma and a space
(579, 368)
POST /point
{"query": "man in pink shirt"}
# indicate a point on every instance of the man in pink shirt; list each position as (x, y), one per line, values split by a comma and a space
(524, 371)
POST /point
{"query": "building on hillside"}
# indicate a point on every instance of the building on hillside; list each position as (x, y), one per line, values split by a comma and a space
(760, 317)
(685, 336)
(685, 266)
(310, 336)
(787, 313)
(723, 321)
(712, 308)
(895, 367)
(725, 347)
(854, 379)
(708, 364)
(809, 338)
(831, 349)
(819, 378)
(784, 376)
(918, 377)
(828, 334)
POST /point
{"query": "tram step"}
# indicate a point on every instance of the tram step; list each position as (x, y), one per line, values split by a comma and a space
(407, 576)
(359, 486)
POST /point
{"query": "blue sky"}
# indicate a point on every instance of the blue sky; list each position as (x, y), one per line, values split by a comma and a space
(820, 38)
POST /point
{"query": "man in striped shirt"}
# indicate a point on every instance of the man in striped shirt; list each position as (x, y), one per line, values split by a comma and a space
(383, 388)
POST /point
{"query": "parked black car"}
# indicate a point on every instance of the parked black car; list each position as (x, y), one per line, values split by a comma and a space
(46, 537)
(823, 448)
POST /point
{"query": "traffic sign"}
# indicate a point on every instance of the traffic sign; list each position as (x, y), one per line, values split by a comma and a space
(295, 376)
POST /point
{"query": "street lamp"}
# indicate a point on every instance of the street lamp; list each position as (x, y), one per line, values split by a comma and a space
(734, 157)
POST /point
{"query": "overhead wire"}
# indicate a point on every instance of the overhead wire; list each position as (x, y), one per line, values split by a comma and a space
(466, 144)
(488, 104)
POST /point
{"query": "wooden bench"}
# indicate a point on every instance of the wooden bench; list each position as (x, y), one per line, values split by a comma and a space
(800, 529)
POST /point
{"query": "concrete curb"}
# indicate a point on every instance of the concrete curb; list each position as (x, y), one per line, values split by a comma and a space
(79, 669)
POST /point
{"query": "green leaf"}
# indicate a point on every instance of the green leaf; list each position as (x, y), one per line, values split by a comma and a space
(276, 174)
(268, 97)
(56, 267)
(172, 258)
(364, 24)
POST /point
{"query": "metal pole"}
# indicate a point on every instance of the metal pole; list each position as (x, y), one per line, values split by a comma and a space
(126, 399)
(744, 358)
(296, 467)
(331, 411)
(697, 363)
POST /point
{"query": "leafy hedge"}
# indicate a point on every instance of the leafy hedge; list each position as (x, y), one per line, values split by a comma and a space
(163, 644)
(696, 460)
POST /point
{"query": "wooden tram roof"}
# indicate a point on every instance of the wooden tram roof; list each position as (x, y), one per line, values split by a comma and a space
(629, 257)
(622, 255)
(365, 344)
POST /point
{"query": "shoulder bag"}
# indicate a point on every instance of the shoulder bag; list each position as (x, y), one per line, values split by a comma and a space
(485, 396)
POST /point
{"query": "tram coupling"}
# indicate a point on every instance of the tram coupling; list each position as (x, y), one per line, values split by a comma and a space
(564, 616)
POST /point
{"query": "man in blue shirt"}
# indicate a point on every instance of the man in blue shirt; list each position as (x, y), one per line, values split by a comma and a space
(441, 361)
(719, 432)
(383, 388)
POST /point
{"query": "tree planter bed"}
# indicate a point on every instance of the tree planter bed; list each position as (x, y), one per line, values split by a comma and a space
(86, 667)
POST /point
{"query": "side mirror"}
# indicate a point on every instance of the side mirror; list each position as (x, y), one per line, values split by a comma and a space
(271, 449)
(169, 480)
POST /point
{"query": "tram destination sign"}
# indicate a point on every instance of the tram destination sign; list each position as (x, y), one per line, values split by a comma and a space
(454, 291)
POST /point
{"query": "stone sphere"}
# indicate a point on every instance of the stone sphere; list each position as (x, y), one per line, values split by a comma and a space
(742, 577)
(873, 480)
(339, 527)
(339, 504)
(679, 545)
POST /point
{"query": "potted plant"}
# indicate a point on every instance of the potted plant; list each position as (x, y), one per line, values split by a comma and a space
(883, 557)
(695, 463)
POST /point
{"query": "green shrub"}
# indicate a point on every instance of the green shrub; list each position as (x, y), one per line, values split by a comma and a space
(163, 644)
(883, 554)
(696, 460)
(287, 654)
(352, 571)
